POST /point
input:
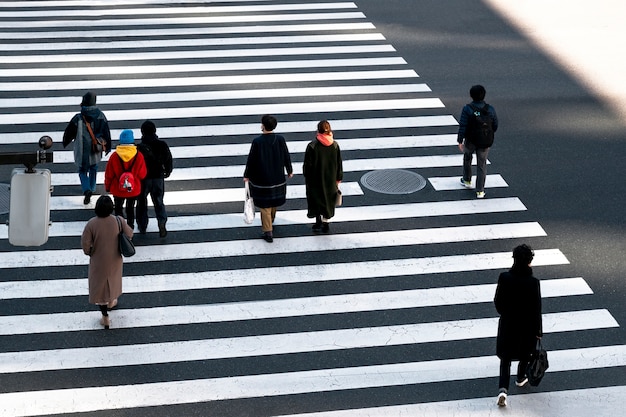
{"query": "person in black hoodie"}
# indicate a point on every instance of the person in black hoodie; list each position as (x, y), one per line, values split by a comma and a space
(158, 159)
(518, 301)
(85, 157)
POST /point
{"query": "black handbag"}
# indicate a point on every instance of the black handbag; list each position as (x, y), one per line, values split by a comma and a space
(537, 365)
(127, 247)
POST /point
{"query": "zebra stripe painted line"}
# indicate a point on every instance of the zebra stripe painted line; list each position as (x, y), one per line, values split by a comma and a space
(454, 183)
(68, 257)
(349, 165)
(122, 83)
(294, 217)
(202, 54)
(371, 89)
(288, 383)
(179, 21)
(242, 149)
(204, 196)
(112, 71)
(205, 131)
(168, 11)
(235, 110)
(286, 343)
(91, 37)
(230, 278)
(271, 309)
(570, 403)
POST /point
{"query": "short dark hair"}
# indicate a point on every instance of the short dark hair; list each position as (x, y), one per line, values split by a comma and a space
(104, 206)
(269, 122)
(523, 255)
(148, 128)
(477, 92)
(323, 127)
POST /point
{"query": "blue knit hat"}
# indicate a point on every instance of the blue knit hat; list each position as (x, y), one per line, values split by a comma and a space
(127, 137)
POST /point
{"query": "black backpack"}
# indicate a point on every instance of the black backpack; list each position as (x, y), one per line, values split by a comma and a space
(480, 127)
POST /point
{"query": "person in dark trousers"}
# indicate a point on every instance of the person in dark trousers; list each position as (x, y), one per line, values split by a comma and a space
(158, 159)
(126, 158)
(85, 157)
(323, 171)
(518, 301)
(265, 172)
(469, 139)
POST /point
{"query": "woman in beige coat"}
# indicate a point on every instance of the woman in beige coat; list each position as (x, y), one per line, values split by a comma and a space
(100, 242)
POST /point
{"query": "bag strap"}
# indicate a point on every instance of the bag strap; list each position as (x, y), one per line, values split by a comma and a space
(93, 137)
(119, 223)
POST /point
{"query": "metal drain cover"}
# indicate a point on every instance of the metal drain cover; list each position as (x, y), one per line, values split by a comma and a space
(4, 198)
(393, 181)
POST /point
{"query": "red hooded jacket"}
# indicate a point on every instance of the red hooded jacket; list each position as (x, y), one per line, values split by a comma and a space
(121, 160)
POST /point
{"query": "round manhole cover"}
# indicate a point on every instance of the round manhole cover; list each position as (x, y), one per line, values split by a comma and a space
(393, 181)
(4, 198)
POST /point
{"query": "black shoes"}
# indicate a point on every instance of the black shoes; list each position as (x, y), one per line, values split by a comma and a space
(267, 236)
(162, 230)
(87, 198)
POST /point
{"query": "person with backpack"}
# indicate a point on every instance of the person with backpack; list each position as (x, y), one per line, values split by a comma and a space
(158, 160)
(477, 125)
(518, 301)
(89, 130)
(123, 174)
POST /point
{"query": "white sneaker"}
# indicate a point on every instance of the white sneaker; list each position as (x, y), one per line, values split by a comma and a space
(466, 184)
(522, 382)
(480, 194)
(501, 399)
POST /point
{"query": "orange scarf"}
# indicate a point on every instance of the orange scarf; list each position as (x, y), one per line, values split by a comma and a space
(325, 139)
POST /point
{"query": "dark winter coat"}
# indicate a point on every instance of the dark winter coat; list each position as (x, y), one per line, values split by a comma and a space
(322, 169)
(518, 300)
(125, 158)
(157, 155)
(77, 131)
(466, 114)
(265, 169)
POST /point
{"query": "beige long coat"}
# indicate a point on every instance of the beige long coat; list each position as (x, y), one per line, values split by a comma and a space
(100, 242)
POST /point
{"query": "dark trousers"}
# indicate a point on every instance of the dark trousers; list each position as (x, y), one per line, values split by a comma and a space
(481, 165)
(505, 371)
(130, 208)
(155, 187)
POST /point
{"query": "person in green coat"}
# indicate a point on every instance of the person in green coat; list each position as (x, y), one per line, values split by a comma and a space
(323, 171)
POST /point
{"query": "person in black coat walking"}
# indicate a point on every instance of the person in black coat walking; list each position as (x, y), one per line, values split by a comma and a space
(323, 171)
(159, 163)
(265, 172)
(518, 301)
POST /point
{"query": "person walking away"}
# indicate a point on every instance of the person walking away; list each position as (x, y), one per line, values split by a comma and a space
(323, 171)
(265, 172)
(123, 174)
(86, 155)
(158, 159)
(99, 241)
(477, 125)
(518, 301)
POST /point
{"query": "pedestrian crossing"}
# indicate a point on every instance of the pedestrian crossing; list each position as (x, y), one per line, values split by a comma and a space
(390, 314)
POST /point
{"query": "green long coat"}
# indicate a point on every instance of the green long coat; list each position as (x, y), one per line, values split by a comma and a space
(322, 169)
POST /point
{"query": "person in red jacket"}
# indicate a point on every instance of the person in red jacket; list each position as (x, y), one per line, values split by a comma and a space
(123, 174)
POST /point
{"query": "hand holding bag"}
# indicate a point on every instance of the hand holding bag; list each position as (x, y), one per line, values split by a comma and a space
(537, 365)
(339, 199)
(248, 206)
(127, 247)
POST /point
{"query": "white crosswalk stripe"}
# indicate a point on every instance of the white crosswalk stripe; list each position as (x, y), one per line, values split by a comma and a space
(398, 297)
